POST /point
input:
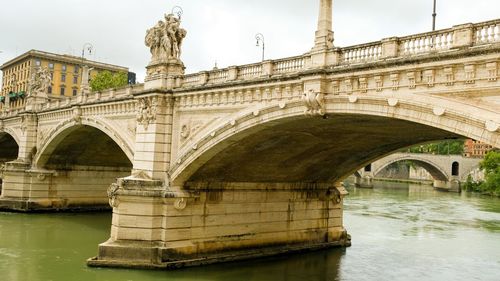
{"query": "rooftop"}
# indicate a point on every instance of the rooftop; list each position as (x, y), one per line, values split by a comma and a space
(62, 58)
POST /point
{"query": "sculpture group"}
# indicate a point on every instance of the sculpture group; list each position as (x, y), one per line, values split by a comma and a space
(40, 81)
(165, 38)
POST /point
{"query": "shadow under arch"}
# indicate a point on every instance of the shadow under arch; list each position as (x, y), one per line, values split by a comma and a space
(262, 144)
(88, 143)
(9, 147)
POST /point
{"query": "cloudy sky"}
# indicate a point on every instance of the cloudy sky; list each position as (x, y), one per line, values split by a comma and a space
(221, 31)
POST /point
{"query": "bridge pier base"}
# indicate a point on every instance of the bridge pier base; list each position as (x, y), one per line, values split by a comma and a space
(217, 222)
(451, 186)
(364, 182)
(28, 189)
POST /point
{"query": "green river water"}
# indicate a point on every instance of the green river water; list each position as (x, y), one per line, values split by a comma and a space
(399, 232)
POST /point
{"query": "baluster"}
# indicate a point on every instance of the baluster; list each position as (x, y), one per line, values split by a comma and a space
(491, 33)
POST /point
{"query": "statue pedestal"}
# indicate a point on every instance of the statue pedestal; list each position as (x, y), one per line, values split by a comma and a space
(33, 103)
(164, 73)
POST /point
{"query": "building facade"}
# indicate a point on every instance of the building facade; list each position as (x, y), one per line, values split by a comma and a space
(476, 149)
(66, 73)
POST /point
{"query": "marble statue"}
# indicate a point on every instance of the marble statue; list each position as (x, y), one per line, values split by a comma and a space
(165, 38)
(40, 82)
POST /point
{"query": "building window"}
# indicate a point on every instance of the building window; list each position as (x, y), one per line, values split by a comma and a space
(76, 69)
(74, 92)
(75, 79)
(63, 67)
(455, 168)
(49, 89)
(62, 91)
(63, 77)
(51, 65)
(38, 62)
(52, 76)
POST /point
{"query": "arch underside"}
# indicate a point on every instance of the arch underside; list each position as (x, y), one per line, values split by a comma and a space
(305, 149)
(9, 149)
(83, 146)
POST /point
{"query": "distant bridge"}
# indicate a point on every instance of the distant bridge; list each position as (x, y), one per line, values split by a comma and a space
(448, 171)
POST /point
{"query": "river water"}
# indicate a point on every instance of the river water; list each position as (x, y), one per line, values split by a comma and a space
(399, 232)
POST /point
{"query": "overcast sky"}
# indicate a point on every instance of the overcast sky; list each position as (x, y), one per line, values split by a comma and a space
(221, 31)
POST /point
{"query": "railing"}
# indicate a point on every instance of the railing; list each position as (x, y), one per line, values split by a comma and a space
(288, 65)
(426, 42)
(218, 76)
(191, 80)
(412, 45)
(487, 32)
(250, 71)
(362, 53)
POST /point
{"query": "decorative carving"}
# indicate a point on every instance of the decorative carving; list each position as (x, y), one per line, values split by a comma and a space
(429, 77)
(379, 83)
(40, 82)
(492, 68)
(180, 204)
(191, 127)
(470, 74)
(363, 84)
(146, 111)
(335, 87)
(185, 131)
(395, 81)
(450, 77)
(315, 103)
(77, 115)
(112, 195)
(411, 80)
(348, 86)
(165, 38)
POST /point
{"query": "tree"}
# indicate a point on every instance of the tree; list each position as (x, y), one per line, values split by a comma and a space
(107, 80)
(454, 147)
(491, 167)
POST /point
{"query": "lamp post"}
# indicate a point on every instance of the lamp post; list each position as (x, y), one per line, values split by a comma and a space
(89, 48)
(259, 37)
(176, 10)
(434, 17)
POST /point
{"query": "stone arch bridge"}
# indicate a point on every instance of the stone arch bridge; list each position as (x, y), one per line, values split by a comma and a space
(448, 171)
(245, 161)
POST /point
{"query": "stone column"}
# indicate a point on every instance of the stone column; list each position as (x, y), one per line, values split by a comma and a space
(323, 53)
(324, 33)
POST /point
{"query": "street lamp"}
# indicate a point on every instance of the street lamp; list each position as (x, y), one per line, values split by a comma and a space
(259, 37)
(434, 17)
(89, 48)
(177, 10)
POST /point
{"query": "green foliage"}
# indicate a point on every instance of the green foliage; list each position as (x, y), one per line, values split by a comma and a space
(455, 147)
(107, 80)
(491, 167)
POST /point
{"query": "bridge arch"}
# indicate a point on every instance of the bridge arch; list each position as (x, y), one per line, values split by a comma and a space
(9, 146)
(436, 171)
(378, 118)
(71, 127)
